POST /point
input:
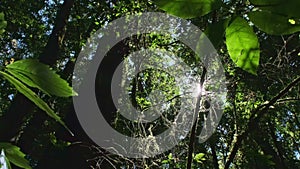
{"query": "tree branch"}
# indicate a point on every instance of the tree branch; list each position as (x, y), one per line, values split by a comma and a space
(255, 117)
(214, 155)
(193, 131)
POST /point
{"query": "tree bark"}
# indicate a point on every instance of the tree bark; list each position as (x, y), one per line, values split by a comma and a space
(12, 120)
(215, 157)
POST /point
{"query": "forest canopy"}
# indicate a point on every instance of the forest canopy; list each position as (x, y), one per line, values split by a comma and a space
(256, 63)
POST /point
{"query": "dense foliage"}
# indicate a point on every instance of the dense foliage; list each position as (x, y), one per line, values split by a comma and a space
(258, 43)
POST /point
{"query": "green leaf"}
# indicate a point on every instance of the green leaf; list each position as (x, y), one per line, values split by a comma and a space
(265, 3)
(33, 97)
(170, 156)
(1, 16)
(7, 163)
(26, 80)
(199, 157)
(38, 75)
(215, 32)
(15, 155)
(287, 8)
(272, 23)
(165, 162)
(188, 8)
(243, 45)
(3, 23)
(4, 162)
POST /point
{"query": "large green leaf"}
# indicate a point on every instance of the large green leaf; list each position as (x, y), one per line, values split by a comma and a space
(266, 2)
(33, 97)
(188, 8)
(288, 8)
(15, 155)
(215, 32)
(243, 45)
(273, 23)
(38, 75)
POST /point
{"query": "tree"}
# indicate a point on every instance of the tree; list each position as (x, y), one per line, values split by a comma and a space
(257, 41)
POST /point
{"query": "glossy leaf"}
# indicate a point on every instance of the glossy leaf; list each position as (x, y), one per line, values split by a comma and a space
(15, 155)
(188, 8)
(33, 97)
(266, 3)
(243, 45)
(215, 32)
(35, 74)
(273, 23)
(286, 8)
